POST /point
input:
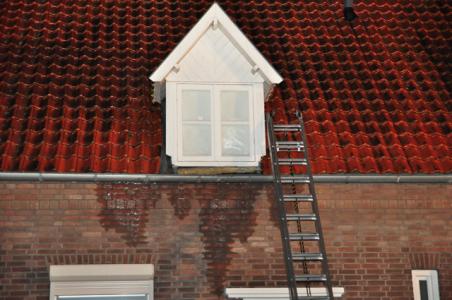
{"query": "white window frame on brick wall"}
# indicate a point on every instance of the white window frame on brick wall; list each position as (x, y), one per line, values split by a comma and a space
(431, 277)
(102, 280)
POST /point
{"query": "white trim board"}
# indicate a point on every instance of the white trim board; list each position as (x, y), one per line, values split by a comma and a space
(275, 293)
(106, 279)
(216, 16)
(431, 277)
(105, 272)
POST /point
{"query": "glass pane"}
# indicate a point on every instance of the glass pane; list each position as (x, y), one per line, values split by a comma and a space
(424, 289)
(195, 105)
(234, 105)
(196, 140)
(104, 297)
(235, 140)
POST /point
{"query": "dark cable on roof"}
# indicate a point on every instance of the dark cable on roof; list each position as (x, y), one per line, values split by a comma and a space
(349, 13)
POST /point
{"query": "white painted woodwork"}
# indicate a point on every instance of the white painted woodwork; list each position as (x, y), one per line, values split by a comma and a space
(214, 58)
(174, 125)
(117, 279)
(215, 54)
(431, 277)
(216, 18)
(276, 293)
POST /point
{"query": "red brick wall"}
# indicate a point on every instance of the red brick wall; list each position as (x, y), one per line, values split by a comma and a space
(204, 237)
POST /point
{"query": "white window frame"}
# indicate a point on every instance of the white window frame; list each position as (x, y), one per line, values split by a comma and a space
(101, 280)
(277, 293)
(431, 276)
(217, 159)
(204, 87)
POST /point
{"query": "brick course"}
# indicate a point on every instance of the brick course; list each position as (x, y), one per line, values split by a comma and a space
(205, 237)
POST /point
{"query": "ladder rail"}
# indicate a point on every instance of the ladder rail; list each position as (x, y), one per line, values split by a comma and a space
(291, 279)
(287, 237)
(315, 209)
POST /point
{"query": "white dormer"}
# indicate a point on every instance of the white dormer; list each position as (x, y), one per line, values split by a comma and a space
(215, 82)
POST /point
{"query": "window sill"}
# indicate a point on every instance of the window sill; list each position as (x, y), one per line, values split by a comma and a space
(275, 293)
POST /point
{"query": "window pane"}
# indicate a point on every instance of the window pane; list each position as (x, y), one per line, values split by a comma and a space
(196, 140)
(235, 140)
(424, 289)
(195, 105)
(234, 105)
(104, 297)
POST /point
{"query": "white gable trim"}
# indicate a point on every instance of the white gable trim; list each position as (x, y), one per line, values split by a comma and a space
(215, 16)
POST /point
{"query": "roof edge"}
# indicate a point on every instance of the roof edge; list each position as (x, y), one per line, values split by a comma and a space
(157, 178)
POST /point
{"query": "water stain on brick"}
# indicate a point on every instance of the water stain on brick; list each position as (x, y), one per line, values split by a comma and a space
(227, 216)
(180, 198)
(124, 208)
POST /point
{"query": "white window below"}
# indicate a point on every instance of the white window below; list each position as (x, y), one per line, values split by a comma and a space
(425, 284)
(102, 282)
(277, 293)
(104, 297)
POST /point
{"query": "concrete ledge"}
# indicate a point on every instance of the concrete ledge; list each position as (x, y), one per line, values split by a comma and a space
(275, 293)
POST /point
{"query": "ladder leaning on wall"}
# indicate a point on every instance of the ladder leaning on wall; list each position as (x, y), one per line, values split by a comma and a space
(301, 233)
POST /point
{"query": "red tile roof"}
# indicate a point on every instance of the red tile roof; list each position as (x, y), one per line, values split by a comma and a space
(75, 94)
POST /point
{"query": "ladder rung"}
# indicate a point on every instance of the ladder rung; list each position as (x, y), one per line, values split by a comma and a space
(295, 179)
(289, 145)
(286, 127)
(292, 161)
(304, 236)
(299, 198)
(301, 217)
(307, 256)
(310, 278)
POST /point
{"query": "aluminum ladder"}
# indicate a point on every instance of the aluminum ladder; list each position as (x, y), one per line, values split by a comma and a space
(301, 233)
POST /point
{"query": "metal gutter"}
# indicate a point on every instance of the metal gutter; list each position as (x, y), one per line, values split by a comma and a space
(156, 178)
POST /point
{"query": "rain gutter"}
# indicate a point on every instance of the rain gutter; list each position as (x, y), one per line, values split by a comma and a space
(157, 178)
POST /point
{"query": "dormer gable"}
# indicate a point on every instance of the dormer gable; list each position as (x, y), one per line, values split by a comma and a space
(215, 49)
(215, 83)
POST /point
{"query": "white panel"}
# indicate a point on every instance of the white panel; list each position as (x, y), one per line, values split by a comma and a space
(235, 140)
(194, 122)
(196, 140)
(259, 120)
(214, 58)
(234, 105)
(105, 279)
(101, 272)
(101, 288)
(233, 135)
(195, 105)
(171, 120)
